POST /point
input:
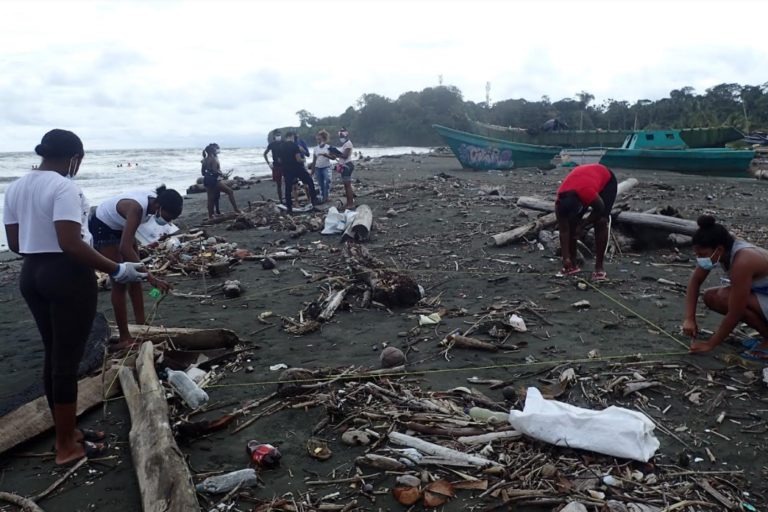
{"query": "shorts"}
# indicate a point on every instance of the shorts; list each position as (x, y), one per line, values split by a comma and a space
(103, 235)
(608, 194)
(210, 180)
(346, 172)
(277, 173)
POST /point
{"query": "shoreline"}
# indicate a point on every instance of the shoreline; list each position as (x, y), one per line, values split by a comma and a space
(438, 235)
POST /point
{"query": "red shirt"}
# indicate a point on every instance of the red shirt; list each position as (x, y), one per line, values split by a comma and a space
(587, 181)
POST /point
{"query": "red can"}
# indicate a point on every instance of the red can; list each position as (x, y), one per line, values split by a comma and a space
(263, 455)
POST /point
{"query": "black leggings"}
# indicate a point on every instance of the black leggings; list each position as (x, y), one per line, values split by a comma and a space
(291, 175)
(61, 294)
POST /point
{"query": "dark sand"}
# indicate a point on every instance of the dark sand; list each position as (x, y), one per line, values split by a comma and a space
(442, 226)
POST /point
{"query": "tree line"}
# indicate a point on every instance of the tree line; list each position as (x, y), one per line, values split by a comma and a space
(407, 120)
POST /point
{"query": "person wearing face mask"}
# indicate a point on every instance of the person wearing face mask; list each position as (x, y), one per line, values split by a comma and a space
(114, 226)
(291, 157)
(212, 180)
(43, 220)
(744, 298)
(321, 165)
(345, 165)
(276, 166)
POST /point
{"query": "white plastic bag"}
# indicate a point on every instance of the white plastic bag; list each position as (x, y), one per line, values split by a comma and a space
(336, 222)
(613, 431)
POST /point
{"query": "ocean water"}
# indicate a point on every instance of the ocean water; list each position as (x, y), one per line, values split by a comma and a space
(100, 177)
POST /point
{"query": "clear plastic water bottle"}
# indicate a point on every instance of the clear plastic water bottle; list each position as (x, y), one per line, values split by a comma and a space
(226, 482)
(263, 455)
(190, 392)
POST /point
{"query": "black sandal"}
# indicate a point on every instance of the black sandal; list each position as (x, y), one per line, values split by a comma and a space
(92, 435)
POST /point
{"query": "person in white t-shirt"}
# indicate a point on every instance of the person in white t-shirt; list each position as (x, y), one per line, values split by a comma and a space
(114, 227)
(345, 165)
(43, 222)
(321, 165)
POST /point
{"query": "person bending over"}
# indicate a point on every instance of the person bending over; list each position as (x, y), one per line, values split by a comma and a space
(114, 226)
(586, 186)
(743, 298)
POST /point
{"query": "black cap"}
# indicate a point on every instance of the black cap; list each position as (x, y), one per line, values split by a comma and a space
(59, 143)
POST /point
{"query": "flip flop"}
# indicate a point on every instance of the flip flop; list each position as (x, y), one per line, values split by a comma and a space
(756, 354)
(599, 276)
(568, 273)
(90, 435)
(92, 451)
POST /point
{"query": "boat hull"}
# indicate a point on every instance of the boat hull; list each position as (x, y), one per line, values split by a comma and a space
(485, 153)
(711, 162)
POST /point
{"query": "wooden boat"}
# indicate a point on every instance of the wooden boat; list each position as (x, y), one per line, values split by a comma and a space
(693, 137)
(484, 153)
(665, 150)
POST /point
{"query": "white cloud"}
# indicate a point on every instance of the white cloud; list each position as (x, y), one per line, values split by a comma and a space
(158, 73)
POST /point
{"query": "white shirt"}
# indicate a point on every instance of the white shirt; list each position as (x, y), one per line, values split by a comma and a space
(322, 161)
(35, 202)
(343, 148)
(107, 212)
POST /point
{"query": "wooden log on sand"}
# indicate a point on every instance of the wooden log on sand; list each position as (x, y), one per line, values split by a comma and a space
(513, 235)
(189, 339)
(34, 418)
(164, 478)
(440, 451)
(661, 222)
(360, 228)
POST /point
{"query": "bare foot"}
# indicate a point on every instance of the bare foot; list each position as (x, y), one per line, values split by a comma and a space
(77, 451)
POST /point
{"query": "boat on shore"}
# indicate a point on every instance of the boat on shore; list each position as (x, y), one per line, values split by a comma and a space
(485, 153)
(665, 150)
(693, 137)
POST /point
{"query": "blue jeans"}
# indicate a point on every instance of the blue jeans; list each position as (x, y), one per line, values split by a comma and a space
(324, 181)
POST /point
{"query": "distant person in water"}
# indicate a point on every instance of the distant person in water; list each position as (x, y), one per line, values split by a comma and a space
(212, 179)
(114, 226)
(321, 165)
(291, 157)
(273, 148)
(590, 186)
(345, 166)
(744, 296)
(44, 222)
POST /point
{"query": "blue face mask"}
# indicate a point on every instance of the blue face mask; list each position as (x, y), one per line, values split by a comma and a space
(160, 220)
(706, 263)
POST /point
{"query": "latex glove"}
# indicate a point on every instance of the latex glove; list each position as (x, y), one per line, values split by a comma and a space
(128, 272)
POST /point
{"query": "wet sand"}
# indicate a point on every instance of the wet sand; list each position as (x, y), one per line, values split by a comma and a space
(439, 236)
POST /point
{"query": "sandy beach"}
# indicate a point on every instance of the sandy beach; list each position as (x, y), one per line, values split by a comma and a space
(438, 235)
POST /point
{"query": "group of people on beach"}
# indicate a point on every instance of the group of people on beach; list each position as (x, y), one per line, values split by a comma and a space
(289, 156)
(592, 189)
(48, 222)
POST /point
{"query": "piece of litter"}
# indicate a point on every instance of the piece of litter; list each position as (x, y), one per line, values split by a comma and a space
(279, 366)
(517, 323)
(432, 319)
(582, 304)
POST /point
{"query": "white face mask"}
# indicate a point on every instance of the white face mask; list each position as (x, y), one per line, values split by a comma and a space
(706, 263)
(342, 139)
(160, 220)
(278, 138)
(72, 169)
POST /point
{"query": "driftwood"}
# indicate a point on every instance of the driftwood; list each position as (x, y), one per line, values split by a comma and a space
(380, 462)
(34, 418)
(25, 504)
(439, 451)
(190, 339)
(545, 221)
(659, 222)
(487, 438)
(360, 228)
(458, 341)
(332, 304)
(162, 472)
(225, 217)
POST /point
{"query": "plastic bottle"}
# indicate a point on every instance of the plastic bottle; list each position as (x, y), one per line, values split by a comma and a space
(492, 417)
(263, 455)
(190, 392)
(226, 482)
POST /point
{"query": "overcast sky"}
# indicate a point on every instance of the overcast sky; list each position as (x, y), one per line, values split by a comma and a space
(134, 74)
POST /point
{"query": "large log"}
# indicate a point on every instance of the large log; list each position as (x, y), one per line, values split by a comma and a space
(661, 222)
(360, 228)
(440, 451)
(190, 339)
(34, 418)
(507, 237)
(164, 478)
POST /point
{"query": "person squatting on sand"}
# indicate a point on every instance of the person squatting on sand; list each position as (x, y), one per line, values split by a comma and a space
(345, 165)
(744, 296)
(114, 226)
(277, 169)
(291, 157)
(44, 222)
(586, 186)
(212, 176)
(321, 165)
